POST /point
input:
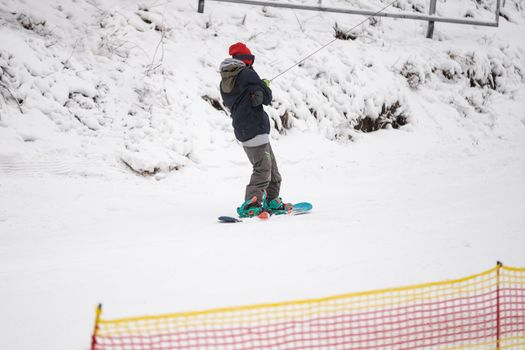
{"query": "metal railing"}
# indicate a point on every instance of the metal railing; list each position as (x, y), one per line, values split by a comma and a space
(431, 18)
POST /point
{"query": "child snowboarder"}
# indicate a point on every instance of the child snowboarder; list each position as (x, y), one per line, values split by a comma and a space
(244, 93)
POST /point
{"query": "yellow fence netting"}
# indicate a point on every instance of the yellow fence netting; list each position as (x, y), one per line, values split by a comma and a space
(483, 311)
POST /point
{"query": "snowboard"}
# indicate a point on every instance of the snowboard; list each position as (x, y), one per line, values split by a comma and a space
(298, 209)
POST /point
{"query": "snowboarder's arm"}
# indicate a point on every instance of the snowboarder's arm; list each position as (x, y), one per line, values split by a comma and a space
(260, 91)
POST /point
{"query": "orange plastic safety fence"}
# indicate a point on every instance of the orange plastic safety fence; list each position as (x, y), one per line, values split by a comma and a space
(484, 311)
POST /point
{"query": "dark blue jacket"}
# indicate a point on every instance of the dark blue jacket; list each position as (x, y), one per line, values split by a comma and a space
(245, 102)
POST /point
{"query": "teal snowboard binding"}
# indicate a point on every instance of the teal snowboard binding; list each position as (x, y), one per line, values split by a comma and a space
(251, 208)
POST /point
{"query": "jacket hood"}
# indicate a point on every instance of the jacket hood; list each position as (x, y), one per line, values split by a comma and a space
(230, 69)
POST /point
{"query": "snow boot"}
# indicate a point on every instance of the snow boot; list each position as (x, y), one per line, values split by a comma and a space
(250, 208)
(277, 206)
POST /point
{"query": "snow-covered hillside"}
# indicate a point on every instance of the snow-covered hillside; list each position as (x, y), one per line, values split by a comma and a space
(118, 81)
(116, 156)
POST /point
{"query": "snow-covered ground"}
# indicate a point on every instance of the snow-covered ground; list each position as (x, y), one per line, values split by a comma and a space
(105, 95)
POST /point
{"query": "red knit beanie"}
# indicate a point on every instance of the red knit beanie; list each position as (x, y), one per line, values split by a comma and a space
(242, 52)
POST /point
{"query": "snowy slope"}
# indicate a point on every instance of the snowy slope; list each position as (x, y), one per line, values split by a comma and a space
(114, 164)
(123, 78)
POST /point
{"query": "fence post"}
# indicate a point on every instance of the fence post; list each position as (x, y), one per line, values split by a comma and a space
(498, 311)
(95, 329)
(201, 6)
(431, 12)
(498, 9)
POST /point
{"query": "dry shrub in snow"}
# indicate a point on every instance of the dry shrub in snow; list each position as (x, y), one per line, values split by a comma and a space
(343, 34)
(419, 6)
(390, 116)
(414, 73)
(7, 78)
(29, 22)
(497, 69)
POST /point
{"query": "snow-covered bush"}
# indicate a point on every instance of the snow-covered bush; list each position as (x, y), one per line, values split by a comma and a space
(420, 6)
(343, 34)
(415, 70)
(390, 116)
(31, 22)
(8, 80)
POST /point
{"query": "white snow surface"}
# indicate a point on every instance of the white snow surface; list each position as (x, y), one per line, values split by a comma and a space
(114, 166)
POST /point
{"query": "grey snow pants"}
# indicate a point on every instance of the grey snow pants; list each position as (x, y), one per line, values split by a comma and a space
(265, 175)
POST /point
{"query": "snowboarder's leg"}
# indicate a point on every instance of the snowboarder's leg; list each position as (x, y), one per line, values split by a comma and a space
(261, 160)
(274, 186)
(274, 203)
